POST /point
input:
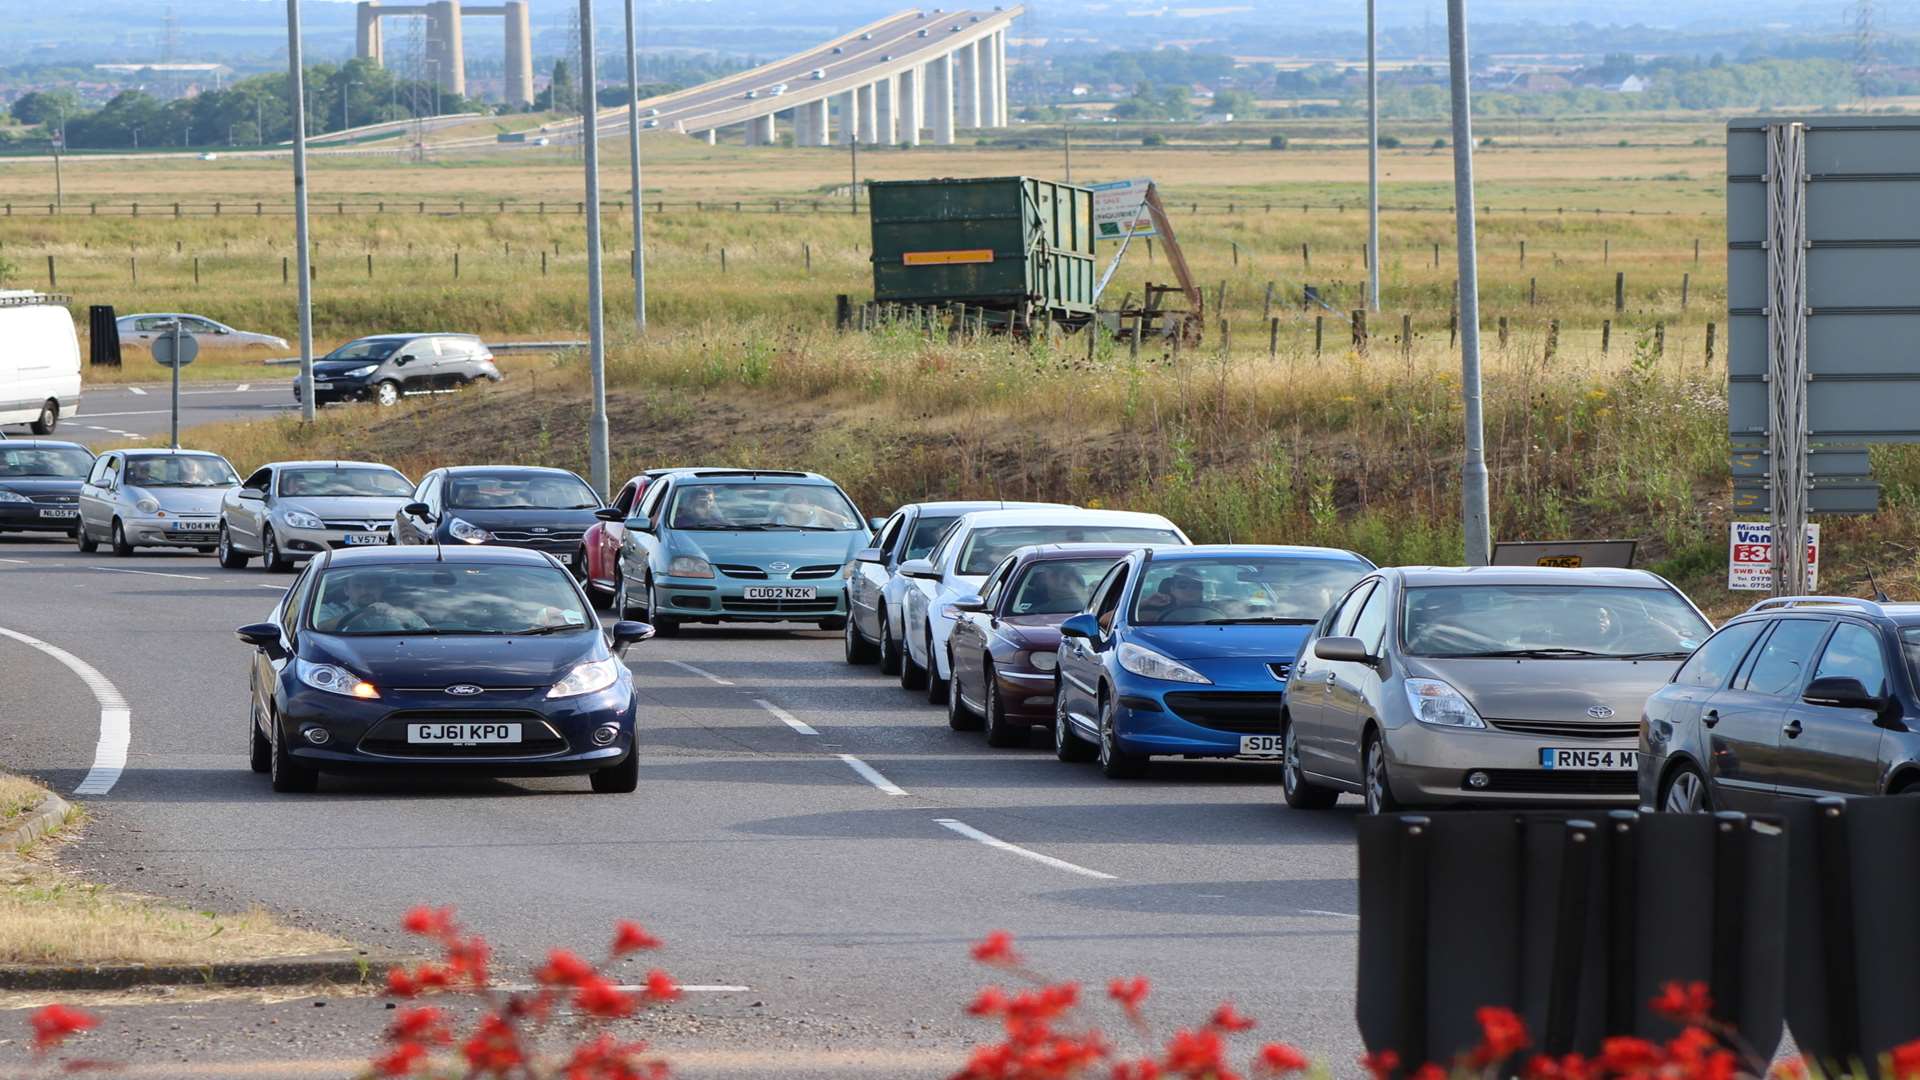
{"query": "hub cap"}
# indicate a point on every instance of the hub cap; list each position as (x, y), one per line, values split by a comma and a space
(1686, 795)
(1376, 777)
(1289, 759)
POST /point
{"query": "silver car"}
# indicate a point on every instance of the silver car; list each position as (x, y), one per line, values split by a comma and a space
(1440, 685)
(143, 329)
(153, 498)
(290, 511)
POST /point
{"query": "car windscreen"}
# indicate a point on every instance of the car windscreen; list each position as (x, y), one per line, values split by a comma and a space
(179, 471)
(984, 548)
(813, 507)
(447, 599)
(519, 491)
(1550, 621)
(1057, 586)
(345, 483)
(44, 462)
(926, 533)
(1242, 590)
(378, 349)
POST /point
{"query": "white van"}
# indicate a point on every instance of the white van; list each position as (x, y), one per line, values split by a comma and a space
(39, 361)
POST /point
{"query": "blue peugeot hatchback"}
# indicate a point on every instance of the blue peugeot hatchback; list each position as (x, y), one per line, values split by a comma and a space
(1186, 651)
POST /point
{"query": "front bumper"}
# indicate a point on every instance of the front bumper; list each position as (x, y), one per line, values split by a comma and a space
(302, 544)
(335, 390)
(556, 735)
(163, 532)
(1430, 766)
(1156, 717)
(35, 517)
(724, 600)
(1026, 694)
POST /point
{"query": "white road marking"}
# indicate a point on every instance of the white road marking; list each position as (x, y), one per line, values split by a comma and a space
(149, 573)
(242, 388)
(995, 842)
(1335, 914)
(116, 719)
(282, 588)
(872, 775)
(786, 717)
(136, 412)
(136, 390)
(707, 675)
(22, 562)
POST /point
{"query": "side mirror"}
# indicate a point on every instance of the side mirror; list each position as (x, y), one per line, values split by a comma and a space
(252, 493)
(1841, 692)
(868, 555)
(875, 524)
(963, 604)
(418, 509)
(1083, 625)
(626, 632)
(610, 513)
(1344, 649)
(403, 361)
(640, 523)
(264, 636)
(920, 568)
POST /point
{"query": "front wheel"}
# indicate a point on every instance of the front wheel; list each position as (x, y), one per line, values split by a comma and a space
(1378, 779)
(88, 545)
(387, 393)
(858, 649)
(959, 717)
(1300, 793)
(663, 625)
(617, 779)
(1115, 763)
(48, 419)
(936, 686)
(999, 730)
(260, 751)
(1686, 793)
(270, 558)
(120, 545)
(287, 774)
(889, 651)
(912, 675)
(1067, 743)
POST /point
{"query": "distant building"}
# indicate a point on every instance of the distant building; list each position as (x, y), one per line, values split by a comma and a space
(1632, 84)
(1216, 118)
(1537, 82)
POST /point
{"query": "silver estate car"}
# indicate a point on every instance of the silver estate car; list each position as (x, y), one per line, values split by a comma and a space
(1439, 685)
(290, 511)
(143, 329)
(153, 498)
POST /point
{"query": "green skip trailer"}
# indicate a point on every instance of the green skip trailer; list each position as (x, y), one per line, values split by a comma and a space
(1015, 250)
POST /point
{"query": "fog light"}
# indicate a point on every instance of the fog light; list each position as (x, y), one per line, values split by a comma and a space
(1478, 779)
(318, 736)
(605, 734)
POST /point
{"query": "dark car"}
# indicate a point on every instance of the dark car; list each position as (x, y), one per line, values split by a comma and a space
(386, 367)
(1005, 641)
(1802, 697)
(524, 506)
(40, 484)
(479, 659)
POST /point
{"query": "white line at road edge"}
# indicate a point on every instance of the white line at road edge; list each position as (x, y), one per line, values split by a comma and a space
(1334, 914)
(786, 717)
(116, 720)
(136, 390)
(149, 573)
(972, 833)
(872, 775)
(707, 675)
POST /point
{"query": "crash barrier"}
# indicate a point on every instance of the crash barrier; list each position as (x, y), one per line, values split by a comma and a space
(103, 331)
(1573, 922)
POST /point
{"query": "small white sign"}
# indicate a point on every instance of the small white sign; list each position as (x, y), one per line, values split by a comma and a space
(1120, 206)
(1750, 556)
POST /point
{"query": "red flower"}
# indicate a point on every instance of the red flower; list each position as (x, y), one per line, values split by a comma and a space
(432, 977)
(1904, 1061)
(1570, 1067)
(1502, 1034)
(1129, 993)
(1429, 1071)
(52, 1024)
(597, 996)
(1624, 1054)
(402, 984)
(1280, 1059)
(428, 922)
(421, 1024)
(991, 1002)
(468, 958)
(1143, 1069)
(494, 1048)
(1197, 1053)
(400, 1060)
(1687, 1002)
(996, 948)
(563, 968)
(1228, 1018)
(1789, 1069)
(629, 937)
(661, 987)
(607, 1059)
(1381, 1064)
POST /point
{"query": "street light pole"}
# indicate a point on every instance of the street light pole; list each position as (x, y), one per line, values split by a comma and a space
(596, 317)
(633, 163)
(1474, 527)
(1373, 166)
(297, 100)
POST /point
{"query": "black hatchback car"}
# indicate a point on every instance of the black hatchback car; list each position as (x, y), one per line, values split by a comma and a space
(40, 484)
(477, 659)
(386, 367)
(524, 506)
(1801, 697)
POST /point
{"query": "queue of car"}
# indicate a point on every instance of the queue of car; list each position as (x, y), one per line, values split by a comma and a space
(1406, 686)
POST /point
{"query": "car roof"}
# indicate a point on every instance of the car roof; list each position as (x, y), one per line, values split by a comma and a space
(407, 336)
(463, 554)
(44, 444)
(495, 470)
(1071, 516)
(1296, 551)
(168, 315)
(968, 506)
(162, 451)
(747, 476)
(1530, 575)
(1051, 552)
(326, 464)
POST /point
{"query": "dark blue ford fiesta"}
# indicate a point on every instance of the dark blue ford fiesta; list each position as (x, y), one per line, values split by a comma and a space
(477, 659)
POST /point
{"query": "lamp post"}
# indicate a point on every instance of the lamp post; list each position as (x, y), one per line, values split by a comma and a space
(1473, 470)
(297, 100)
(1373, 166)
(596, 317)
(633, 163)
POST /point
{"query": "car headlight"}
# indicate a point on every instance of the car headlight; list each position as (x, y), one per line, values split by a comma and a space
(1439, 704)
(147, 505)
(1148, 664)
(689, 566)
(590, 677)
(472, 534)
(1043, 661)
(334, 679)
(300, 519)
(12, 497)
(362, 371)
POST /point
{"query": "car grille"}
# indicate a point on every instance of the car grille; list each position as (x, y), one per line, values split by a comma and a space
(388, 738)
(58, 499)
(1281, 669)
(824, 605)
(738, 570)
(1251, 713)
(521, 536)
(358, 525)
(1570, 729)
(1556, 782)
(811, 572)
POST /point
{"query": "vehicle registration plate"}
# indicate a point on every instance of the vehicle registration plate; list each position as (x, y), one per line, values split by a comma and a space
(1598, 760)
(366, 538)
(59, 513)
(192, 526)
(463, 734)
(779, 592)
(1261, 746)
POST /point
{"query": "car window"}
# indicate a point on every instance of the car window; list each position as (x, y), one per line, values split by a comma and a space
(1244, 589)
(889, 532)
(1853, 652)
(519, 491)
(1370, 625)
(437, 599)
(180, 470)
(655, 494)
(761, 507)
(195, 325)
(1110, 599)
(1710, 664)
(927, 531)
(1569, 619)
(103, 469)
(296, 599)
(377, 349)
(984, 547)
(996, 583)
(1781, 664)
(62, 462)
(1057, 586)
(345, 483)
(1350, 610)
(623, 502)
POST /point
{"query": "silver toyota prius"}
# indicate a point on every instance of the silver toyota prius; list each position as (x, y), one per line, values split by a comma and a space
(1442, 685)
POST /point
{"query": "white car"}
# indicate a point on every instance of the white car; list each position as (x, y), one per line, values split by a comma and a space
(875, 587)
(776, 90)
(818, 73)
(39, 361)
(751, 94)
(969, 551)
(289, 511)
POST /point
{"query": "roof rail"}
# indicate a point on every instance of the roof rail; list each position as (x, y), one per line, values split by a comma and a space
(750, 472)
(36, 299)
(1782, 603)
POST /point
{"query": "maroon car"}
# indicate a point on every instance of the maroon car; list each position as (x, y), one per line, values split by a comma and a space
(1005, 640)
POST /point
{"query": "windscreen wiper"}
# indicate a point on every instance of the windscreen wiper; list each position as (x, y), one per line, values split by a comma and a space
(563, 628)
(1271, 620)
(1661, 654)
(1538, 654)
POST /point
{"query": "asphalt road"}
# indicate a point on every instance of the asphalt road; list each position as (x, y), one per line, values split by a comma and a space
(763, 857)
(111, 413)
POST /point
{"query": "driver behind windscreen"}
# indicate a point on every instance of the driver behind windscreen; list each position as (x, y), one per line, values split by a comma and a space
(360, 608)
(1182, 590)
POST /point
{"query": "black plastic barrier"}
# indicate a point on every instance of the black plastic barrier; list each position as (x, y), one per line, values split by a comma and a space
(103, 330)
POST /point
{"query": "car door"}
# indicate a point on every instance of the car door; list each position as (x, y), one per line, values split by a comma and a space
(267, 669)
(865, 586)
(96, 495)
(1079, 665)
(246, 509)
(1828, 749)
(1310, 689)
(413, 366)
(969, 640)
(410, 528)
(605, 553)
(642, 546)
(1678, 706)
(1743, 721)
(1353, 696)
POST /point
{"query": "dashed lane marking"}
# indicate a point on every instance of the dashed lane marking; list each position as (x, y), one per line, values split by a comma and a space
(116, 719)
(872, 775)
(136, 390)
(786, 717)
(998, 844)
(149, 573)
(707, 675)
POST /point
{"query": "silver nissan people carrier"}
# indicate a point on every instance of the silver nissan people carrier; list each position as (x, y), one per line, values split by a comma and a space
(1436, 685)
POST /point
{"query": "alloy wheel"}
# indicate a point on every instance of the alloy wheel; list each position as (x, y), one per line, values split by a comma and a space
(1379, 796)
(1289, 761)
(1686, 794)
